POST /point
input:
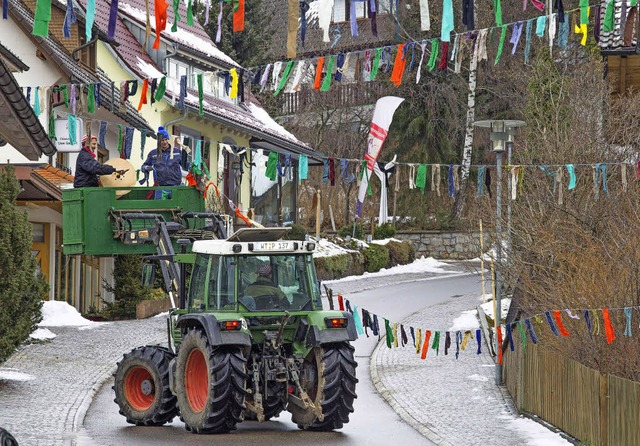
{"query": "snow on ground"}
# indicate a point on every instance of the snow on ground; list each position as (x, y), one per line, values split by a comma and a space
(385, 241)
(59, 314)
(420, 265)
(487, 307)
(535, 433)
(324, 248)
(42, 334)
(466, 321)
(14, 375)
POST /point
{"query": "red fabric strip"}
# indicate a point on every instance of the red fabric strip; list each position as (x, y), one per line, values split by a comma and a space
(608, 327)
(340, 302)
(425, 346)
(499, 330)
(143, 94)
(238, 17)
(318, 81)
(398, 66)
(558, 317)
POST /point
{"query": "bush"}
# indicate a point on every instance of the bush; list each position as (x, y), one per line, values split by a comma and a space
(22, 285)
(348, 231)
(128, 289)
(385, 230)
(376, 257)
(333, 267)
(297, 232)
(400, 253)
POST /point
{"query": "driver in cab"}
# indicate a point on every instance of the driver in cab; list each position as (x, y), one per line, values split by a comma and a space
(264, 287)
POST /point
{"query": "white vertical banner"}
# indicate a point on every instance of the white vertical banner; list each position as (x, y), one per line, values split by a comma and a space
(382, 117)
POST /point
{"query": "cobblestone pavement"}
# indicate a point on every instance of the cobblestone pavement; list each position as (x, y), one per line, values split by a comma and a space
(450, 402)
(48, 409)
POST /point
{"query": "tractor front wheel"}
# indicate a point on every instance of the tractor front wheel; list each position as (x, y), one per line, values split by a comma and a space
(210, 384)
(328, 376)
(142, 387)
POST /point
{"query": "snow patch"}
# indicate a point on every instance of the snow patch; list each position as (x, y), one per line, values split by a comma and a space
(466, 321)
(59, 314)
(14, 375)
(476, 377)
(42, 334)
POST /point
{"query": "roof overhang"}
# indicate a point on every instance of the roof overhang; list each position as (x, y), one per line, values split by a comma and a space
(19, 126)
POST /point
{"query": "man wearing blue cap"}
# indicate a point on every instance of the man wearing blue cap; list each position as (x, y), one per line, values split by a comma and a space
(165, 164)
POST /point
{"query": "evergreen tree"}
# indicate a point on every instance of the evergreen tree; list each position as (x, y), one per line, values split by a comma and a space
(248, 47)
(22, 286)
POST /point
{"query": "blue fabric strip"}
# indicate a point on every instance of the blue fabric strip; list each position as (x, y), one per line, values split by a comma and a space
(531, 331)
(554, 329)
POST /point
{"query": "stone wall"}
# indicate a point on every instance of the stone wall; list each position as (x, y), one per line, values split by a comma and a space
(445, 245)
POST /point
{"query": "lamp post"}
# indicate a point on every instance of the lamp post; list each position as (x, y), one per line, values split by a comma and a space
(502, 131)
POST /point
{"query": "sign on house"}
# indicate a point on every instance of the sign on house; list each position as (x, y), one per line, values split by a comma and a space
(63, 142)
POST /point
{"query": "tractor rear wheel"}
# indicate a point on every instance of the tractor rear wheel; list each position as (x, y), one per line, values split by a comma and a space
(210, 384)
(328, 376)
(142, 387)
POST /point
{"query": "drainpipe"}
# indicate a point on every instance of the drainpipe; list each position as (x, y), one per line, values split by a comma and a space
(175, 121)
(169, 55)
(81, 47)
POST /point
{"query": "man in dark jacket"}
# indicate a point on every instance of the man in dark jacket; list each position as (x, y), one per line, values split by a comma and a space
(264, 291)
(87, 167)
(164, 164)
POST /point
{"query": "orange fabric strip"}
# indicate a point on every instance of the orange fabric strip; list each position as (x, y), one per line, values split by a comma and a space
(608, 327)
(398, 66)
(318, 80)
(160, 9)
(558, 317)
(425, 346)
(499, 331)
(143, 94)
(238, 17)
(245, 219)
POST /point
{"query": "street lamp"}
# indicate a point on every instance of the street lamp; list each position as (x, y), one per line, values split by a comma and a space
(502, 132)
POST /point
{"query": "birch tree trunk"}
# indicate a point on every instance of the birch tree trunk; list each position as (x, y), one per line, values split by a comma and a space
(468, 138)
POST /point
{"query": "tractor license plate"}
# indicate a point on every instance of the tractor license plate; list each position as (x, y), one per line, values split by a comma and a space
(273, 246)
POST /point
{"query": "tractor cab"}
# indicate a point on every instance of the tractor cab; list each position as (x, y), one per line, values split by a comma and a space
(254, 271)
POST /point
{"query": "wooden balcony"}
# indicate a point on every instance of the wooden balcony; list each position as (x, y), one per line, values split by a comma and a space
(340, 95)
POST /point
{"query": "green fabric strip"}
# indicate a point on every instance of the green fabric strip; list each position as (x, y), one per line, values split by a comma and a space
(91, 98)
(436, 342)
(271, 171)
(389, 332)
(326, 82)
(501, 44)
(435, 49)
(584, 12)
(608, 17)
(190, 13)
(119, 138)
(376, 64)
(523, 336)
(497, 6)
(200, 94)
(287, 73)
(52, 126)
(42, 18)
(176, 5)
(421, 177)
(162, 86)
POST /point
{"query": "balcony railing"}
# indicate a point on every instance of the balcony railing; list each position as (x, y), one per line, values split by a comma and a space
(340, 95)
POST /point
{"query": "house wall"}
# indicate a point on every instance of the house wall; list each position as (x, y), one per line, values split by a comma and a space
(161, 113)
(40, 72)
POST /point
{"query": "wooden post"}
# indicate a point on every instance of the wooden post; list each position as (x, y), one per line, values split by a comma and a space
(604, 410)
(318, 207)
(482, 264)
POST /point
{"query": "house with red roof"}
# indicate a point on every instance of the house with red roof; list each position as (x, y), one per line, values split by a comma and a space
(236, 135)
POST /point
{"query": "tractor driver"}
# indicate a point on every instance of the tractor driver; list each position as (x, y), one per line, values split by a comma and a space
(264, 288)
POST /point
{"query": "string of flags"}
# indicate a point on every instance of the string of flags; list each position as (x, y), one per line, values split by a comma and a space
(597, 321)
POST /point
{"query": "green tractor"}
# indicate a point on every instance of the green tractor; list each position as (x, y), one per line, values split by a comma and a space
(249, 339)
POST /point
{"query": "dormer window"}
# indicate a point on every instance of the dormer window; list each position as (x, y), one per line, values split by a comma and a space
(342, 9)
